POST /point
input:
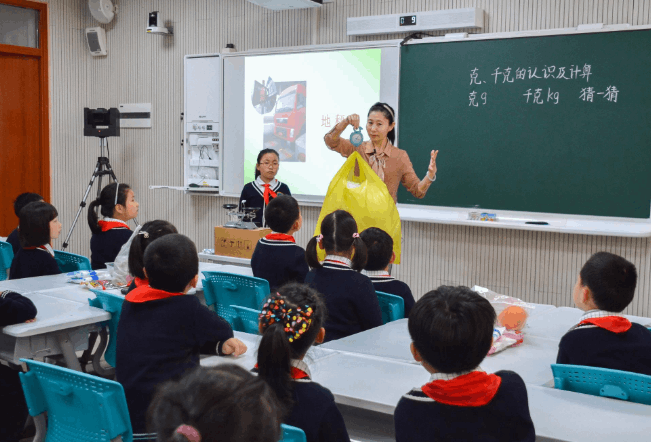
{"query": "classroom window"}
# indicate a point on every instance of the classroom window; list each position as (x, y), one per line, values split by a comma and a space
(18, 26)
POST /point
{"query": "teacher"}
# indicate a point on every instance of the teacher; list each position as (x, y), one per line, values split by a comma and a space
(391, 164)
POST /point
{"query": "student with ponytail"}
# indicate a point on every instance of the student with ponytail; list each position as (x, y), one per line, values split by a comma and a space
(290, 322)
(224, 403)
(117, 205)
(149, 232)
(349, 296)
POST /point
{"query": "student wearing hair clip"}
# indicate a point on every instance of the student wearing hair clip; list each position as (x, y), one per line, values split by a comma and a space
(391, 164)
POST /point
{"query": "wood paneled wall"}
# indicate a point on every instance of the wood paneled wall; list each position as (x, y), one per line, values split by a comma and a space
(538, 267)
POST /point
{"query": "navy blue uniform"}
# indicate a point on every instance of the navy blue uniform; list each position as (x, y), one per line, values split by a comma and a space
(254, 196)
(383, 282)
(33, 262)
(14, 309)
(159, 340)
(279, 261)
(14, 241)
(505, 418)
(349, 296)
(105, 246)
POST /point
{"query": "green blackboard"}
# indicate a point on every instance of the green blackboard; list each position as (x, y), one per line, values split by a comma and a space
(556, 124)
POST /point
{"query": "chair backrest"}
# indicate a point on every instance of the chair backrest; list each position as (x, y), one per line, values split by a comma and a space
(221, 290)
(113, 304)
(6, 256)
(392, 306)
(248, 319)
(69, 262)
(292, 434)
(79, 406)
(624, 385)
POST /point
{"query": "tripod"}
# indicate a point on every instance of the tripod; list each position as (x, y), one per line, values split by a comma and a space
(103, 167)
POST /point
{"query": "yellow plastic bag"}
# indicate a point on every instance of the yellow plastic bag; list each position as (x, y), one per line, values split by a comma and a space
(358, 190)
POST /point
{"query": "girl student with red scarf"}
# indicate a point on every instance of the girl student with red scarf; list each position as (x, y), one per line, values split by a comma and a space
(451, 330)
(118, 205)
(291, 320)
(265, 187)
(38, 226)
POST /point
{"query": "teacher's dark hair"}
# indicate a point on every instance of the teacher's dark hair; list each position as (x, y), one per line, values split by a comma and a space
(262, 153)
(337, 229)
(388, 113)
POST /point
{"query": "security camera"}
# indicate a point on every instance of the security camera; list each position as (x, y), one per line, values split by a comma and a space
(155, 24)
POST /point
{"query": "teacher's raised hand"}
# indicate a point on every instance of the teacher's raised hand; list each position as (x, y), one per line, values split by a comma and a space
(431, 170)
(353, 120)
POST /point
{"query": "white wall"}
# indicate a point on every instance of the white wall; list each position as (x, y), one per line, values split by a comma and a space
(538, 267)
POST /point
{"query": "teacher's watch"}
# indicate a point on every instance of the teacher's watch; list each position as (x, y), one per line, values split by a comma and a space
(356, 137)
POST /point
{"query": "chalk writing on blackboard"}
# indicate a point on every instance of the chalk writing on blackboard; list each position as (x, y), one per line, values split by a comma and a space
(473, 99)
(537, 96)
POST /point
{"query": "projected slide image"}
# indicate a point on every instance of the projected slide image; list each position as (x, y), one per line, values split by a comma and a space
(339, 82)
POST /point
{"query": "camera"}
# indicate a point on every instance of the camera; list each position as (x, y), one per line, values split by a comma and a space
(101, 122)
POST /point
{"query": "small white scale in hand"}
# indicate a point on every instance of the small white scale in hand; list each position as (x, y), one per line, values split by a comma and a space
(356, 137)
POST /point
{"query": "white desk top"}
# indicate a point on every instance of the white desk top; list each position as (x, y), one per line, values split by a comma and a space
(56, 314)
(226, 259)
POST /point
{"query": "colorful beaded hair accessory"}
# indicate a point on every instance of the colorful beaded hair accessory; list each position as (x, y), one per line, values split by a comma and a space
(296, 320)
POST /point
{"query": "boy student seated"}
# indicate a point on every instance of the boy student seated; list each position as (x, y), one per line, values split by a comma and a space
(380, 255)
(21, 201)
(452, 330)
(603, 337)
(14, 309)
(161, 331)
(277, 258)
(39, 225)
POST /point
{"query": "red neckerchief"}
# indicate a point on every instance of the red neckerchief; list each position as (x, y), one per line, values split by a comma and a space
(474, 389)
(280, 237)
(268, 192)
(145, 293)
(38, 247)
(108, 225)
(140, 282)
(615, 324)
(296, 373)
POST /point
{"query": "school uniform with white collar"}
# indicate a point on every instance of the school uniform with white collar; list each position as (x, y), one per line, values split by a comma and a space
(608, 340)
(349, 296)
(314, 409)
(34, 261)
(257, 193)
(383, 282)
(473, 406)
(278, 259)
(105, 246)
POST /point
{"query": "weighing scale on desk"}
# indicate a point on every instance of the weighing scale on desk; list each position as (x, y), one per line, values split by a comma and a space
(243, 219)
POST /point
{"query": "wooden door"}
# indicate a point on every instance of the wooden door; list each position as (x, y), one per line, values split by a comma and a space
(24, 120)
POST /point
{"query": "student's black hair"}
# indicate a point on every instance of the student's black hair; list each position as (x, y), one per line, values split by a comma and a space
(380, 248)
(24, 199)
(150, 231)
(281, 213)
(223, 403)
(171, 262)
(611, 279)
(337, 229)
(34, 224)
(262, 153)
(275, 351)
(106, 201)
(452, 328)
(389, 114)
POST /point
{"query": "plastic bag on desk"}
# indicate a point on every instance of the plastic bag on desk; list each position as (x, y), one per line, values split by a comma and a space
(121, 274)
(511, 318)
(358, 190)
(503, 339)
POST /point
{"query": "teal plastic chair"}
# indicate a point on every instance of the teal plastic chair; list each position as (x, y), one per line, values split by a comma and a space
(6, 256)
(624, 385)
(111, 303)
(292, 434)
(248, 319)
(392, 307)
(79, 406)
(222, 290)
(69, 262)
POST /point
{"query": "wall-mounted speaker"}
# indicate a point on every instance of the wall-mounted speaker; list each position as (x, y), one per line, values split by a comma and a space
(96, 40)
